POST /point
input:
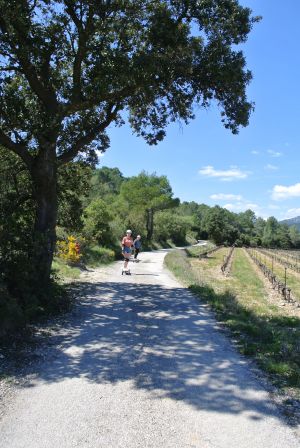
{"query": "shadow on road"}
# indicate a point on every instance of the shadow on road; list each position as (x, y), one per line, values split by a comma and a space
(160, 339)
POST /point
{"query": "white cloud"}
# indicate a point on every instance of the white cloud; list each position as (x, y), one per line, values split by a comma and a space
(100, 154)
(274, 153)
(292, 213)
(255, 152)
(242, 206)
(224, 175)
(270, 167)
(226, 197)
(283, 192)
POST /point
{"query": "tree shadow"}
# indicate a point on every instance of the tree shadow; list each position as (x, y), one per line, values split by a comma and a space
(162, 340)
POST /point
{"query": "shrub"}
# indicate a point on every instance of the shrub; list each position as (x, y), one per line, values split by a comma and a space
(96, 222)
(69, 250)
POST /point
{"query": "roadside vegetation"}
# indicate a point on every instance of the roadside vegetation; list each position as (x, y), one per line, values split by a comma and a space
(263, 329)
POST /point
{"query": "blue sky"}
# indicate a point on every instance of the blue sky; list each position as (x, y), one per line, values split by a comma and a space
(258, 168)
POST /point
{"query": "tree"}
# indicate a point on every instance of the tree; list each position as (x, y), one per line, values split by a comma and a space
(221, 225)
(270, 235)
(70, 67)
(171, 226)
(246, 221)
(147, 194)
(283, 235)
(294, 237)
(259, 227)
(106, 183)
(96, 222)
(73, 188)
(16, 210)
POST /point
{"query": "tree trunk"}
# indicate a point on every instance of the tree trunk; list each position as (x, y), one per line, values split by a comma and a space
(44, 176)
(149, 224)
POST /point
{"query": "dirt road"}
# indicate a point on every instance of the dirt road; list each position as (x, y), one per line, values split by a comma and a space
(139, 364)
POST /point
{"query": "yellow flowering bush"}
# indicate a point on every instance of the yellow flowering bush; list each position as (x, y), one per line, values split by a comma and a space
(69, 249)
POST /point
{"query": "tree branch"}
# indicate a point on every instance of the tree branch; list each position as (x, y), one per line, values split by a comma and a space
(46, 95)
(89, 136)
(17, 148)
(118, 96)
(72, 13)
(10, 68)
(84, 32)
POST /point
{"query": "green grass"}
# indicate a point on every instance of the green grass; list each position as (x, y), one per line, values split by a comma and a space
(195, 251)
(213, 261)
(93, 256)
(63, 270)
(96, 256)
(264, 331)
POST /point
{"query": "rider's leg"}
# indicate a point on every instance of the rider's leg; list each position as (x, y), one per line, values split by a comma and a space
(126, 259)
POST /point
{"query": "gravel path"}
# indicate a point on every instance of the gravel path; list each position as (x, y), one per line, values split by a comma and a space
(139, 364)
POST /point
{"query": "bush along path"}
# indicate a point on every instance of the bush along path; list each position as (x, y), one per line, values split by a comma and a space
(141, 363)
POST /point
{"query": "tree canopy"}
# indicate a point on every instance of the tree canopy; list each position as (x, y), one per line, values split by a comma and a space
(68, 68)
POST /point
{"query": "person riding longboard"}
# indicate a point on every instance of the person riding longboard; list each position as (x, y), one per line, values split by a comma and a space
(127, 243)
(137, 247)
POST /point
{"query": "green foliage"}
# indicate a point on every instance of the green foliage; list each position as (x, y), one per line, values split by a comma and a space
(73, 187)
(106, 183)
(220, 226)
(148, 191)
(276, 234)
(96, 256)
(22, 297)
(294, 235)
(144, 195)
(16, 223)
(11, 315)
(105, 48)
(169, 225)
(64, 271)
(96, 222)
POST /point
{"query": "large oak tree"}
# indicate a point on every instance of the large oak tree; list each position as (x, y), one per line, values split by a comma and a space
(70, 68)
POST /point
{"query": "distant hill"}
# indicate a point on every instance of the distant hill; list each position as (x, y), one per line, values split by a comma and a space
(292, 222)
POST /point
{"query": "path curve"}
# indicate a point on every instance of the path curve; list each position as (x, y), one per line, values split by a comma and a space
(141, 364)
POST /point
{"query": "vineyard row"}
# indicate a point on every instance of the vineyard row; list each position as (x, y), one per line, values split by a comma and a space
(281, 287)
